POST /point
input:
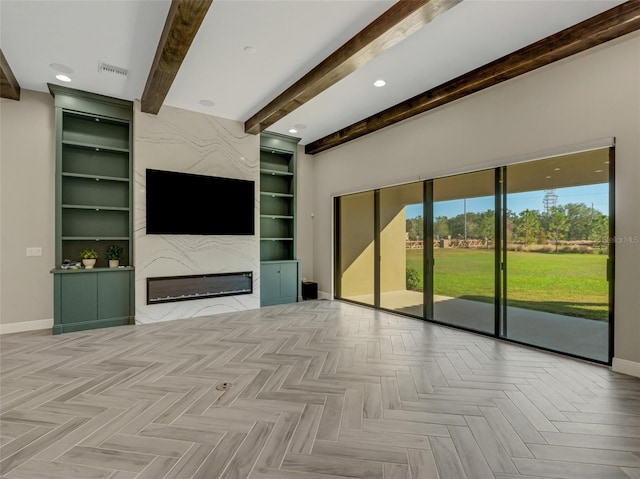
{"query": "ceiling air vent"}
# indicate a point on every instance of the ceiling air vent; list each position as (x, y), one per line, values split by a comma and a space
(119, 71)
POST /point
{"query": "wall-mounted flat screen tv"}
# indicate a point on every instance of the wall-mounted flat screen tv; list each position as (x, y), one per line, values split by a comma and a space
(187, 204)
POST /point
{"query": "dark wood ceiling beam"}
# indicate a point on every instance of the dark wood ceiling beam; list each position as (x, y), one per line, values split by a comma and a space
(611, 24)
(180, 28)
(9, 86)
(401, 20)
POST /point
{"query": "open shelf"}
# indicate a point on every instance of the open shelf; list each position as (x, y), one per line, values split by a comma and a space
(94, 207)
(276, 217)
(266, 171)
(94, 146)
(101, 163)
(94, 131)
(274, 194)
(95, 238)
(94, 177)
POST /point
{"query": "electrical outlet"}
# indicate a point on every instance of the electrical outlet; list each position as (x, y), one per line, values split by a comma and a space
(34, 251)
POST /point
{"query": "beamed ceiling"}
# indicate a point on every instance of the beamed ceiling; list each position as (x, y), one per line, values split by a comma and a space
(308, 64)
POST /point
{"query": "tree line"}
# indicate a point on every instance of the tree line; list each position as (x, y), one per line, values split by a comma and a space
(570, 222)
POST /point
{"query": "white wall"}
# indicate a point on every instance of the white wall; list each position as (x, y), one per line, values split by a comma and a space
(587, 97)
(27, 185)
(305, 193)
(180, 140)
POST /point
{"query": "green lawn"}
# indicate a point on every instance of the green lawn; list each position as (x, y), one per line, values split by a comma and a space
(569, 284)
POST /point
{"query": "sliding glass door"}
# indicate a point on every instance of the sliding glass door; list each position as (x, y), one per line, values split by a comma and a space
(521, 252)
(557, 290)
(401, 220)
(355, 247)
(464, 226)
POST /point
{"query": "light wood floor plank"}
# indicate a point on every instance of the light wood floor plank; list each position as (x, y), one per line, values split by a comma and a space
(35, 469)
(331, 465)
(217, 461)
(305, 432)
(240, 466)
(422, 465)
(329, 427)
(470, 454)
(120, 460)
(567, 470)
(494, 453)
(278, 443)
(361, 451)
(447, 459)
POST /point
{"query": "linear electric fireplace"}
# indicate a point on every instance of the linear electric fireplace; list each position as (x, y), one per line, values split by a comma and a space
(200, 286)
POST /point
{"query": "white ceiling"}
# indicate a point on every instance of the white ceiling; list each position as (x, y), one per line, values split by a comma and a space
(289, 38)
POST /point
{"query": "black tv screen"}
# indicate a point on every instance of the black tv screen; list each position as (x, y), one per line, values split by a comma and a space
(187, 204)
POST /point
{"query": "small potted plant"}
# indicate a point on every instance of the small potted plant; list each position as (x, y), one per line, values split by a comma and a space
(89, 257)
(114, 253)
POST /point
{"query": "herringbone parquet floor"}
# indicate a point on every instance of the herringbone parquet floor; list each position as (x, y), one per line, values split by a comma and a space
(320, 390)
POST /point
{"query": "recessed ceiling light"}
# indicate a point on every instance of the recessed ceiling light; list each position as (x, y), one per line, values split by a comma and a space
(598, 171)
(293, 130)
(379, 83)
(64, 78)
(547, 177)
(60, 68)
(207, 103)
(556, 169)
(249, 50)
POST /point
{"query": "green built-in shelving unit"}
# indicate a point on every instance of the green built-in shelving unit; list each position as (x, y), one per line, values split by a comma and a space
(279, 269)
(93, 209)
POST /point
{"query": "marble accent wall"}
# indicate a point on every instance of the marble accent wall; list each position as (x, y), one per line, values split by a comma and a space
(180, 140)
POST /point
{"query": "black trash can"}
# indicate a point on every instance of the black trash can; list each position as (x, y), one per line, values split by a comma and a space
(309, 290)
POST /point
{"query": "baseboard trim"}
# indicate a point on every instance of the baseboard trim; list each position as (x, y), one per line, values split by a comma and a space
(26, 326)
(626, 367)
(324, 295)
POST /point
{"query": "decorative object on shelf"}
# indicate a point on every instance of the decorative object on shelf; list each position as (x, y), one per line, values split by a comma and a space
(68, 264)
(89, 257)
(114, 254)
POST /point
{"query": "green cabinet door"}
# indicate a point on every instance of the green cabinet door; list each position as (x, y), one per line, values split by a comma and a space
(289, 282)
(79, 294)
(114, 295)
(269, 283)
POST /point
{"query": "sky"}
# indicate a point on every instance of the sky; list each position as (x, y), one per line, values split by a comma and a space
(596, 195)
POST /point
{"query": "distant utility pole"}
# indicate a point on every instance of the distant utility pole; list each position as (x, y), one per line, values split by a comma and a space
(550, 200)
(465, 219)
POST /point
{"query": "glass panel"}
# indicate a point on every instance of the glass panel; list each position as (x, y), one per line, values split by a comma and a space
(557, 249)
(402, 248)
(356, 247)
(464, 250)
